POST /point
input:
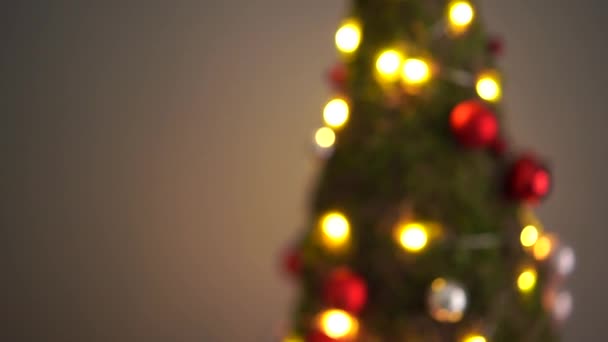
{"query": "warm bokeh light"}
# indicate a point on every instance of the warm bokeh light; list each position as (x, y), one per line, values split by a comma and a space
(336, 113)
(526, 281)
(413, 237)
(543, 247)
(529, 236)
(348, 36)
(488, 86)
(293, 338)
(388, 65)
(325, 137)
(338, 324)
(474, 338)
(335, 229)
(460, 15)
(416, 71)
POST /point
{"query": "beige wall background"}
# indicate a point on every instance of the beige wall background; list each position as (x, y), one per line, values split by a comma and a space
(155, 157)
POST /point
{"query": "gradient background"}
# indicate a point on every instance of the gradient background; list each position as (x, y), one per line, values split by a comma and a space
(155, 157)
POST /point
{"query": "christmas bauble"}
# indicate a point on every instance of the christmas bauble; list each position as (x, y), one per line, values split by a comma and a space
(447, 301)
(558, 303)
(562, 306)
(496, 46)
(345, 290)
(292, 262)
(473, 124)
(338, 76)
(564, 260)
(528, 180)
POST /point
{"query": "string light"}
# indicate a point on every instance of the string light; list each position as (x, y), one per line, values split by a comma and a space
(388, 64)
(529, 236)
(488, 86)
(415, 71)
(335, 229)
(543, 247)
(336, 112)
(348, 36)
(325, 138)
(474, 338)
(338, 324)
(526, 281)
(413, 237)
(293, 338)
(460, 15)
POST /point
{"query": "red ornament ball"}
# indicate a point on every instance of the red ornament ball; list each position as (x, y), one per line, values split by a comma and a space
(345, 290)
(292, 262)
(496, 46)
(529, 180)
(338, 76)
(319, 336)
(474, 125)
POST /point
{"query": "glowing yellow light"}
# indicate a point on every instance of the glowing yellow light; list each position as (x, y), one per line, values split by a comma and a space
(335, 229)
(293, 339)
(460, 14)
(336, 113)
(527, 280)
(413, 237)
(488, 86)
(543, 248)
(325, 137)
(338, 324)
(348, 36)
(388, 65)
(529, 236)
(474, 338)
(415, 71)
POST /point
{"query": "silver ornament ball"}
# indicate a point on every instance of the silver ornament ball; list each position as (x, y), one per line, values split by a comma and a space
(447, 301)
(564, 261)
(562, 306)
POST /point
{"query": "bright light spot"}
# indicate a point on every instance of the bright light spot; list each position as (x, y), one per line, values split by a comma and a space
(336, 113)
(388, 65)
(293, 339)
(529, 236)
(413, 237)
(488, 87)
(416, 71)
(543, 247)
(461, 14)
(335, 229)
(348, 37)
(474, 338)
(338, 324)
(325, 137)
(527, 280)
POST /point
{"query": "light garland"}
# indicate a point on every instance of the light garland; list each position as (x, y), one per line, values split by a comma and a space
(325, 138)
(413, 237)
(488, 86)
(336, 112)
(335, 230)
(474, 338)
(460, 16)
(526, 281)
(348, 36)
(388, 65)
(338, 324)
(415, 72)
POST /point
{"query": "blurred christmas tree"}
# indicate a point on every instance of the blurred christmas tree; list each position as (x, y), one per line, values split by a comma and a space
(421, 226)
